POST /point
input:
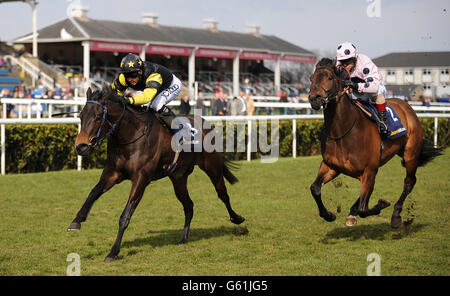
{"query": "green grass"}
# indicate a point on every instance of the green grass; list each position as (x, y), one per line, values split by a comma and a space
(285, 234)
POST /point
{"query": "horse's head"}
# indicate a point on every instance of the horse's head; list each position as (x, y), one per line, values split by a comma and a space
(93, 120)
(325, 83)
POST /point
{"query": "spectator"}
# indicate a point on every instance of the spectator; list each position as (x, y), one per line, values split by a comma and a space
(200, 104)
(250, 104)
(242, 109)
(269, 110)
(5, 93)
(283, 99)
(217, 105)
(426, 101)
(185, 108)
(247, 85)
(97, 76)
(223, 97)
(292, 99)
(234, 107)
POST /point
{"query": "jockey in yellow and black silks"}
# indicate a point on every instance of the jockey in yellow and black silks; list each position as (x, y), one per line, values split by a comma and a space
(159, 86)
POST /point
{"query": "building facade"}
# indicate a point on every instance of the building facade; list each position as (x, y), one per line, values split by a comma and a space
(409, 70)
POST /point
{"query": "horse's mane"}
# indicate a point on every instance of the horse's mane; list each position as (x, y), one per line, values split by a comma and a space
(331, 64)
(326, 63)
(104, 91)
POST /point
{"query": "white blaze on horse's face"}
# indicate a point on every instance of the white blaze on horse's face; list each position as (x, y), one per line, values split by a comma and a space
(92, 119)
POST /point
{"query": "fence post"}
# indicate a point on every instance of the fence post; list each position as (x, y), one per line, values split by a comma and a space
(294, 138)
(3, 142)
(435, 132)
(249, 144)
(79, 158)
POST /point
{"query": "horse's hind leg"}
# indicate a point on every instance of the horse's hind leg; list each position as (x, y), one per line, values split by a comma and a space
(214, 170)
(180, 187)
(361, 205)
(408, 185)
(108, 179)
(325, 175)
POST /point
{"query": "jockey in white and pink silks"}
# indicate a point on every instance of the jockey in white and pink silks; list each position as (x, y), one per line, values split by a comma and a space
(361, 66)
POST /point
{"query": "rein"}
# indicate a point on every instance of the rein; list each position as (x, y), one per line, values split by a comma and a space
(328, 99)
(112, 126)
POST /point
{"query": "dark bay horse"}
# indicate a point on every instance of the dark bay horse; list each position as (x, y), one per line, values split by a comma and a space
(352, 145)
(139, 149)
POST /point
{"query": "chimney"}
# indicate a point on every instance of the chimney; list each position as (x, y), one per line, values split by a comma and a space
(210, 24)
(150, 19)
(79, 11)
(253, 29)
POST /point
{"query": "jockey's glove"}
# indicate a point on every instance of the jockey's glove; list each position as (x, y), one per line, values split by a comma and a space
(353, 85)
(127, 100)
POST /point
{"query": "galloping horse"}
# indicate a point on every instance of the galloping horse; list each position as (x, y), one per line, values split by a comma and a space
(352, 145)
(139, 149)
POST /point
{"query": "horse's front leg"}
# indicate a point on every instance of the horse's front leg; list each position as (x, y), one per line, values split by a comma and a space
(108, 179)
(325, 175)
(137, 190)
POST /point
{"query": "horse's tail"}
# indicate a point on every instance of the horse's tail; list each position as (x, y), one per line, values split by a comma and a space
(229, 165)
(428, 152)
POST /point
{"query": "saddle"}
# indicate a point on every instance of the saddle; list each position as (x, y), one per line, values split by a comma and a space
(393, 122)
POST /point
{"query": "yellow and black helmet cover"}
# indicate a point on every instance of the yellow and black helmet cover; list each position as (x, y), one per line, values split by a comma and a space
(131, 63)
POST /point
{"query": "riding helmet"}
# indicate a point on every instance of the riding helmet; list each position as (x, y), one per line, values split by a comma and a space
(345, 51)
(131, 63)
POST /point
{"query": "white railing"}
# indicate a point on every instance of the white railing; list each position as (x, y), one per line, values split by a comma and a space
(247, 119)
(32, 70)
(34, 106)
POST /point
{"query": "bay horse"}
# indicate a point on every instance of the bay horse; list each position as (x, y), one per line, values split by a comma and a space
(139, 149)
(351, 144)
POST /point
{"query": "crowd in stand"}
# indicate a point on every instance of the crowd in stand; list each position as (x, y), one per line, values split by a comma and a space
(40, 92)
(221, 104)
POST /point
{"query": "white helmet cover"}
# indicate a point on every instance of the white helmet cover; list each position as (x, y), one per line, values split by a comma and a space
(345, 51)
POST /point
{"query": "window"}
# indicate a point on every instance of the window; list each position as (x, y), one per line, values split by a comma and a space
(426, 72)
(409, 72)
(390, 72)
(444, 71)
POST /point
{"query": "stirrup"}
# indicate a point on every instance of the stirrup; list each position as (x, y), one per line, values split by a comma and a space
(382, 128)
(170, 168)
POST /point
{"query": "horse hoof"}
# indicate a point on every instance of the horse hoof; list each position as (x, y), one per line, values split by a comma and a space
(237, 220)
(329, 217)
(396, 222)
(74, 226)
(109, 259)
(383, 203)
(351, 221)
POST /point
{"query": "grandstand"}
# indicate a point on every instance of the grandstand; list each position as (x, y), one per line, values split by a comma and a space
(231, 61)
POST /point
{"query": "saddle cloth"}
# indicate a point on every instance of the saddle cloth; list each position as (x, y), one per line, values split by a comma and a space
(393, 122)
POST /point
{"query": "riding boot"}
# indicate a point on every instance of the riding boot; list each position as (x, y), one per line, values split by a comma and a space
(166, 116)
(382, 126)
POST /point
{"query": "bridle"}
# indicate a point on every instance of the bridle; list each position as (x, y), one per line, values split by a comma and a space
(334, 95)
(333, 90)
(112, 126)
(97, 139)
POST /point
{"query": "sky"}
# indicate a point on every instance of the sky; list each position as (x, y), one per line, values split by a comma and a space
(376, 27)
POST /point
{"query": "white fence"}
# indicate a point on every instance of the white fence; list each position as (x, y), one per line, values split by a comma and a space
(247, 119)
(34, 106)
